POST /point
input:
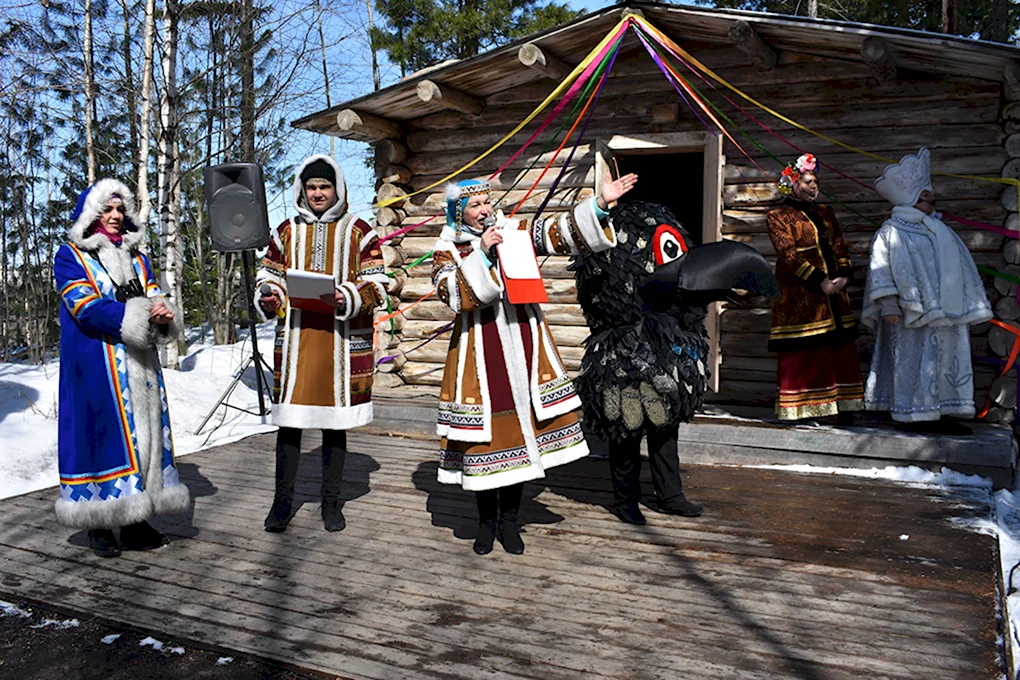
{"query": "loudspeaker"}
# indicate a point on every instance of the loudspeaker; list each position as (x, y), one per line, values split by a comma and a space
(236, 196)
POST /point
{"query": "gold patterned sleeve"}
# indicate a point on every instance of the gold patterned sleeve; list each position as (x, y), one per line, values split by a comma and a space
(787, 255)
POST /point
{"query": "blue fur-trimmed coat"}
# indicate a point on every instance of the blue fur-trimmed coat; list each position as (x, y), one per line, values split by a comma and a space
(114, 445)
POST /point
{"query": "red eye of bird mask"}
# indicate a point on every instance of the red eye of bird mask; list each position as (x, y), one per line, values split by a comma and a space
(669, 244)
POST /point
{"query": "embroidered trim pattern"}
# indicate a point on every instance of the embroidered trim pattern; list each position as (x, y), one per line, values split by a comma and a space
(461, 416)
(563, 438)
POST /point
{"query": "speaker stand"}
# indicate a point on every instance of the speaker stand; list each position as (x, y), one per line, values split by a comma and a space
(255, 358)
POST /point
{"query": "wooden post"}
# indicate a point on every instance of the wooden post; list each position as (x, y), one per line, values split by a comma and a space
(752, 46)
(389, 152)
(391, 192)
(448, 98)
(367, 126)
(393, 174)
(549, 66)
(877, 56)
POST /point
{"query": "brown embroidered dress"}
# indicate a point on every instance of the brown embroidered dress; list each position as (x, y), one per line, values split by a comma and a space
(813, 333)
(324, 362)
(507, 406)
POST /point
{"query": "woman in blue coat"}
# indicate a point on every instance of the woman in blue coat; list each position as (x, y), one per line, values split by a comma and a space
(115, 450)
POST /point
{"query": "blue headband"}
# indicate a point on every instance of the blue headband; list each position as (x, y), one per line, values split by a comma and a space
(457, 196)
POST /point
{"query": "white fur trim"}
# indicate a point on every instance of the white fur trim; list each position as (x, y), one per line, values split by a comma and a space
(368, 239)
(322, 417)
(450, 281)
(478, 275)
(146, 406)
(109, 514)
(175, 329)
(513, 351)
(495, 481)
(337, 210)
(452, 191)
(171, 500)
(135, 329)
(353, 296)
(591, 228)
(95, 203)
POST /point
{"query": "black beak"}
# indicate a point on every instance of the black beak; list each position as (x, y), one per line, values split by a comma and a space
(710, 272)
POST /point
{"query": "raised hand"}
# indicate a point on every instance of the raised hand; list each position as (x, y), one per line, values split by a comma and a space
(613, 190)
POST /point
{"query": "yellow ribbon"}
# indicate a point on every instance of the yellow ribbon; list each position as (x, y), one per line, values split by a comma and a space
(666, 40)
(548, 100)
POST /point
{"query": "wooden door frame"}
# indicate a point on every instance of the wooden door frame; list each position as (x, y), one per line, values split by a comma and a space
(711, 146)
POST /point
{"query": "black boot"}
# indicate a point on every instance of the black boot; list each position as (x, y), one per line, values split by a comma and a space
(288, 455)
(664, 459)
(103, 543)
(488, 508)
(625, 468)
(334, 454)
(628, 513)
(509, 532)
(679, 505)
(142, 536)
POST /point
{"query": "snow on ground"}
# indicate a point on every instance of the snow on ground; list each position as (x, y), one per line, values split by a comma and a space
(28, 408)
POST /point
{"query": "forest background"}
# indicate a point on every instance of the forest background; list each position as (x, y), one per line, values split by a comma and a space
(153, 91)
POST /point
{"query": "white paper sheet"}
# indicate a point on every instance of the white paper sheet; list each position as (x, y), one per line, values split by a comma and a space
(309, 285)
(517, 255)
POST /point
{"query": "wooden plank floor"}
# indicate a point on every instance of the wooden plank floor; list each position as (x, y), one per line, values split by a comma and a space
(785, 576)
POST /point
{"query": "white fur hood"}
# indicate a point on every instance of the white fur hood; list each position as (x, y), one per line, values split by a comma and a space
(301, 205)
(90, 206)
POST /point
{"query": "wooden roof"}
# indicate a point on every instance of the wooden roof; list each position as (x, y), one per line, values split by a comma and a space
(501, 69)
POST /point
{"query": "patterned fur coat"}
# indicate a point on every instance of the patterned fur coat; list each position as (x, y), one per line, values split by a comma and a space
(114, 445)
(323, 363)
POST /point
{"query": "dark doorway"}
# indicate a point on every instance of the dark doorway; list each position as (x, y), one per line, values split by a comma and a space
(672, 179)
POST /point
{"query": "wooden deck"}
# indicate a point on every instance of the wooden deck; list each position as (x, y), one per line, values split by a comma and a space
(728, 434)
(785, 576)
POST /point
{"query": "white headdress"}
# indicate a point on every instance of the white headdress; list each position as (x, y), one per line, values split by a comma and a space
(903, 182)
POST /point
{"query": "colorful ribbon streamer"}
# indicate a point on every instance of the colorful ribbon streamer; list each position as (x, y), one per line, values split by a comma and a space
(435, 334)
(665, 40)
(578, 70)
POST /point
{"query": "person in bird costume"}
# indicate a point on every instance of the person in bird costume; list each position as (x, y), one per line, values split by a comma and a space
(115, 452)
(644, 366)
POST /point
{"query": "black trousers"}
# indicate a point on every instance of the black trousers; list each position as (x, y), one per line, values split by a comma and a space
(288, 455)
(625, 465)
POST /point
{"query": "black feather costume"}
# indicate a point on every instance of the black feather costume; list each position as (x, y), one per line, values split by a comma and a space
(645, 362)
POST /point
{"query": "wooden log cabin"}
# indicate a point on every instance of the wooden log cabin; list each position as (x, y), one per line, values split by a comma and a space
(887, 91)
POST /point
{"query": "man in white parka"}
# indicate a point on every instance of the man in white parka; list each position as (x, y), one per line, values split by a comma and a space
(922, 295)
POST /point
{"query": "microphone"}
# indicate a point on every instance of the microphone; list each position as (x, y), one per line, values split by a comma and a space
(490, 221)
(268, 292)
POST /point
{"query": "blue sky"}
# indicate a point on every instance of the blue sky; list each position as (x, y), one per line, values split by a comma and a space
(355, 81)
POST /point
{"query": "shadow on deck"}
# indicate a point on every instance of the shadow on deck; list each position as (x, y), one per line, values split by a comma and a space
(785, 576)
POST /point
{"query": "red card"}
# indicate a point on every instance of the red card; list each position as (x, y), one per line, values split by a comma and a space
(528, 288)
(311, 305)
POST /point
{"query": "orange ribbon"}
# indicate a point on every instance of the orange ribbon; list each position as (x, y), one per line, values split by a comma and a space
(384, 319)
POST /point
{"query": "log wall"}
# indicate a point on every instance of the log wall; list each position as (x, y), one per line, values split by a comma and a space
(966, 123)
